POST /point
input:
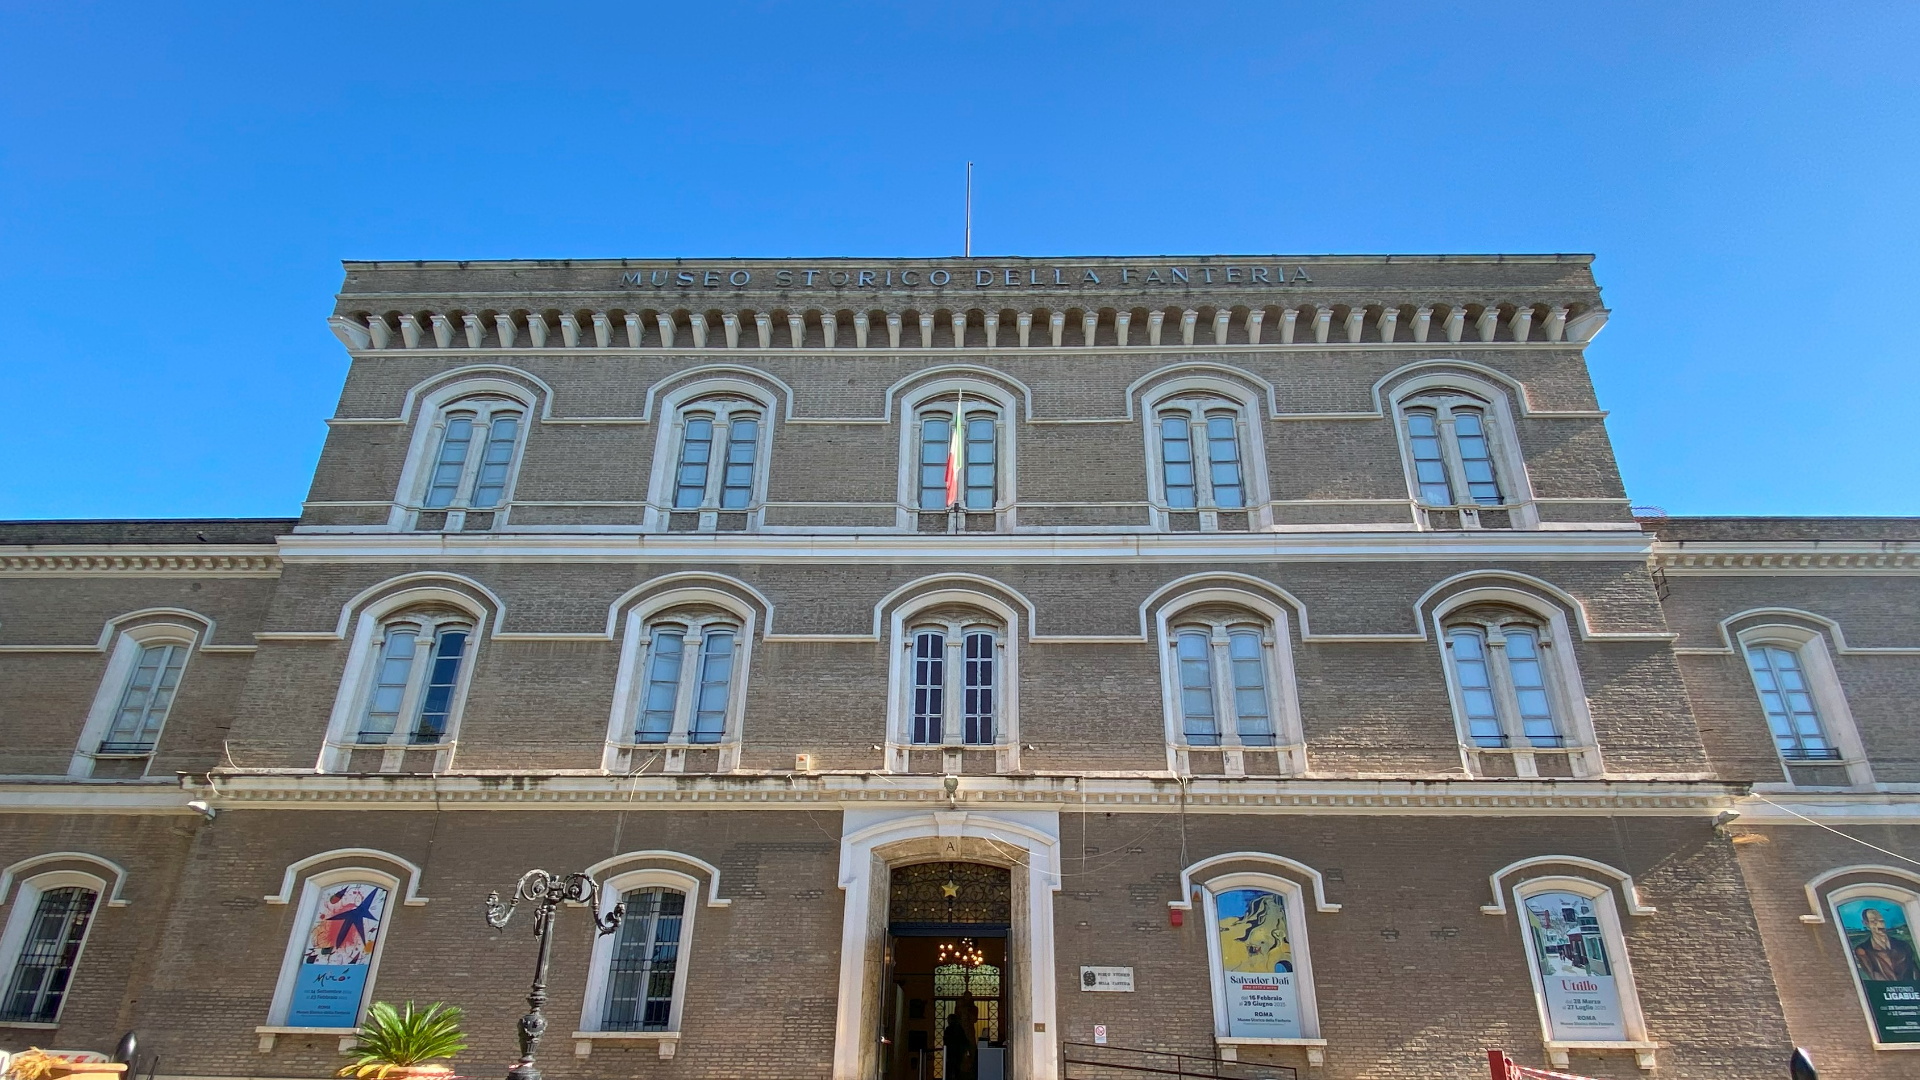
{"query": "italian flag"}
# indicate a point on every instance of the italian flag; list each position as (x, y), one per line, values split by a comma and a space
(955, 448)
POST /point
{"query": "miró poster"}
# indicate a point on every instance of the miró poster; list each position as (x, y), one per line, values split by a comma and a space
(1583, 998)
(332, 978)
(1880, 942)
(1256, 961)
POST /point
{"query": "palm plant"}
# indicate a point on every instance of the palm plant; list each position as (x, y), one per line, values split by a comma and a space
(392, 1041)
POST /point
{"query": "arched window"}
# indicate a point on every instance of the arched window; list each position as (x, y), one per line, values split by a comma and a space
(1457, 454)
(1202, 445)
(1263, 992)
(1582, 982)
(474, 448)
(144, 670)
(1229, 684)
(409, 691)
(637, 983)
(1806, 711)
(1516, 695)
(1503, 686)
(954, 692)
(682, 686)
(716, 464)
(1876, 924)
(959, 461)
(689, 682)
(339, 934)
(41, 945)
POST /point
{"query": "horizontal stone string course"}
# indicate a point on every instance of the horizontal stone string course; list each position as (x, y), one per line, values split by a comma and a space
(1359, 321)
(198, 564)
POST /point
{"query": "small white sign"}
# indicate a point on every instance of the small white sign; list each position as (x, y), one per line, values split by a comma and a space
(1100, 1034)
(1108, 979)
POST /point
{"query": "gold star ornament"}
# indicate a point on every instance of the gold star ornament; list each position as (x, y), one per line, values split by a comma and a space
(951, 890)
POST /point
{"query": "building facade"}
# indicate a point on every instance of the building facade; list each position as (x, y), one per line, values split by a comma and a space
(964, 668)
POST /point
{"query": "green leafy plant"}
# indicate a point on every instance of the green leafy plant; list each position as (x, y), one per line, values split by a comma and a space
(391, 1040)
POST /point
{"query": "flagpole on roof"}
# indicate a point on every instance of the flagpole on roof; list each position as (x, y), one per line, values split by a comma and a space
(967, 249)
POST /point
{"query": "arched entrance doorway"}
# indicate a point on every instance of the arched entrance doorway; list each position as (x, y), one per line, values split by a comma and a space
(944, 997)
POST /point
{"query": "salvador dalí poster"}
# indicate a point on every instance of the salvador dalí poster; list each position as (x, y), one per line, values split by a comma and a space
(1881, 947)
(1256, 962)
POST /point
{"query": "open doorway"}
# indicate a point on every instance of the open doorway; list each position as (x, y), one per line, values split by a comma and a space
(944, 1013)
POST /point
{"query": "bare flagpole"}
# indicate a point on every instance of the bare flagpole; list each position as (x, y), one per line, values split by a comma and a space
(967, 251)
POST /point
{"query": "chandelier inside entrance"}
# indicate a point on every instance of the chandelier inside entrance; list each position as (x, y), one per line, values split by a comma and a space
(966, 952)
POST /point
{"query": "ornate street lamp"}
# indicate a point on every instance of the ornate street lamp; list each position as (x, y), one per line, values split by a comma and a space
(548, 891)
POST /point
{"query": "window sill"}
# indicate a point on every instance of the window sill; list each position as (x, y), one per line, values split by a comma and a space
(268, 1033)
(583, 1041)
(29, 1025)
(1230, 1046)
(1557, 1050)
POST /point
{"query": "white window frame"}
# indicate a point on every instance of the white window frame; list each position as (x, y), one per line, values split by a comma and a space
(592, 1007)
(13, 939)
(1558, 662)
(1196, 407)
(1444, 394)
(362, 668)
(128, 643)
(1283, 696)
(723, 403)
(310, 891)
(1296, 904)
(986, 613)
(1909, 899)
(1829, 696)
(484, 397)
(1632, 1018)
(624, 753)
(939, 398)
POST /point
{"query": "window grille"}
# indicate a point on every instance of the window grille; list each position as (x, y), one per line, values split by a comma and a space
(645, 961)
(44, 970)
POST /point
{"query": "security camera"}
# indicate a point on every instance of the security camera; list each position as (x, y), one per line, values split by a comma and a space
(203, 808)
(1726, 818)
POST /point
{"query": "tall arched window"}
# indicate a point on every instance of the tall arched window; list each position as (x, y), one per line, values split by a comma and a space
(1202, 457)
(681, 692)
(145, 667)
(1876, 922)
(333, 957)
(970, 479)
(1263, 989)
(411, 687)
(1582, 981)
(955, 689)
(715, 478)
(41, 946)
(689, 667)
(954, 686)
(1457, 452)
(1515, 690)
(637, 982)
(1231, 704)
(1804, 705)
(474, 450)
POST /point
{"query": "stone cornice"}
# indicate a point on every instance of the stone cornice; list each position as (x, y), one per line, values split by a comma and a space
(1143, 794)
(197, 559)
(1015, 547)
(1789, 557)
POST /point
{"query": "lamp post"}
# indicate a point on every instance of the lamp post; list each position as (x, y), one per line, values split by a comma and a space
(548, 891)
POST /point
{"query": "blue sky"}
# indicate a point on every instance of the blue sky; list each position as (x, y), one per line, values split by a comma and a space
(178, 183)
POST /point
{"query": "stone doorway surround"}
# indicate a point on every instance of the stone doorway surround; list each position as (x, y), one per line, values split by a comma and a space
(872, 842)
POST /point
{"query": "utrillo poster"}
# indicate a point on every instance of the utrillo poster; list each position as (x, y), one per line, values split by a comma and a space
(1576, 978)
(1880, 942)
